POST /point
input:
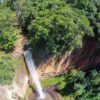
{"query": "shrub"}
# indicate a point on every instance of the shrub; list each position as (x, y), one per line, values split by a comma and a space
(7, 66)
(78, 85)
(7, 41)
(7, 29)
(82, 86)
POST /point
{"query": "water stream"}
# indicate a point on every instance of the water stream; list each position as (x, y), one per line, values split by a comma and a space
(33, 72)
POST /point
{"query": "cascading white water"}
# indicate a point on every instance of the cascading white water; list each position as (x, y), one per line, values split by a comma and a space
(33, 72)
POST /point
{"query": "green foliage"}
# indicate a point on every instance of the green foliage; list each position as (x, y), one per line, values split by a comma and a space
(7, 41)
(82, 86)
(9, 3)
(54, 25)
(7, 66)
(91, 8)
(7, 28)
(52, 81)
(78, 85)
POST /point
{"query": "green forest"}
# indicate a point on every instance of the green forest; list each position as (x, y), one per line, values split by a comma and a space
(52, 28)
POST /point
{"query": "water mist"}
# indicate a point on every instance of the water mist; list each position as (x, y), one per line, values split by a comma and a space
(32, 69)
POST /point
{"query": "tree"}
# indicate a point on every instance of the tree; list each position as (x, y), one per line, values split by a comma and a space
(77, 85)
(7, 29)
(54, 24)
(91, 9)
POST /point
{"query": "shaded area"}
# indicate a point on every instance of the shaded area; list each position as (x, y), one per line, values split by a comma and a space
(85, 58)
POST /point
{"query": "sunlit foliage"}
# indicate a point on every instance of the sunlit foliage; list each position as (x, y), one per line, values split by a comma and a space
(77, 85)
(7, 66)
(7, 28)
(54, 25)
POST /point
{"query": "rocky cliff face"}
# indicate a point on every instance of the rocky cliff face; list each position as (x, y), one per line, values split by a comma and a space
(84, 58)
(87, 57)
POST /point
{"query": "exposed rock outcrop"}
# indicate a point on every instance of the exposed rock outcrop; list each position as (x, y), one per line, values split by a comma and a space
(87, 57)
(84, 58)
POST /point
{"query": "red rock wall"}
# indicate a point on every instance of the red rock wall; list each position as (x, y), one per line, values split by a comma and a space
(85, 58)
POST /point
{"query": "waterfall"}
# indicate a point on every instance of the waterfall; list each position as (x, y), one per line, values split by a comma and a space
(33, 72)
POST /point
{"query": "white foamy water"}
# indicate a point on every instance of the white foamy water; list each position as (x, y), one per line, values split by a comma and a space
(33, 72)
